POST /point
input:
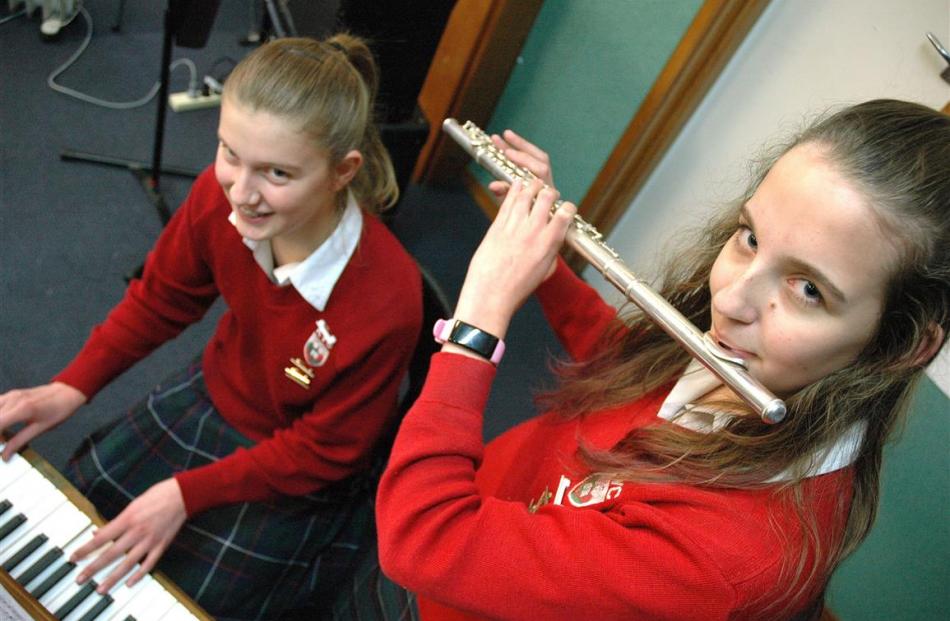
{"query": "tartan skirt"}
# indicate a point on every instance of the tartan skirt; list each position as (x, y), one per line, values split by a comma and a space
(253, 560)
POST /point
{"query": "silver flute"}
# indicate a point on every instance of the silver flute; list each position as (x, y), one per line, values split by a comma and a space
(588, 242)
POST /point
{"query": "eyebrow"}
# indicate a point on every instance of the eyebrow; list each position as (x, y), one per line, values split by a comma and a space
(290, 168)
(813, 272)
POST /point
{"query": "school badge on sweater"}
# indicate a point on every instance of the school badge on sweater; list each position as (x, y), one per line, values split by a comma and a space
(316, 351)
(593, 489)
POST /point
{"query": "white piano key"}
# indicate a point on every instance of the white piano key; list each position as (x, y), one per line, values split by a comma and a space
(122, 596)
(35, 507)
(68, 549)
(28, 490)
(60, 521)
(61, 593)
(127, 603)
(103, 573)
(11, 543)
(12, 470)
(153, 602)
(68, 586)
(79, 611)
(178, 613)
(81, 598)
(165, 602)
(95, 611)
(60, 527)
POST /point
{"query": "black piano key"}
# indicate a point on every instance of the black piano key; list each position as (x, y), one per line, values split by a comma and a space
(11, 525)
(24, 552)
(39, 566)
(52, 580)
(98, 609)
(87, 589)
(4, 505)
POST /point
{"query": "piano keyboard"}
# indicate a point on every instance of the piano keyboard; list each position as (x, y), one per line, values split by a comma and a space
(43, 519)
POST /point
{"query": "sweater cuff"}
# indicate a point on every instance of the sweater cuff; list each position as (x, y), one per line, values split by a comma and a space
(190, 486)
(458, 381)
(203, 488)
(560, 285)
(91, 370)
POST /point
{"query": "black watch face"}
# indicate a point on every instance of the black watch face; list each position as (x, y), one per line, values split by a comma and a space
(474, 339)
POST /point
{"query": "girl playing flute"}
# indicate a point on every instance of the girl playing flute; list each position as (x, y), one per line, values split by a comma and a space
(647, 489)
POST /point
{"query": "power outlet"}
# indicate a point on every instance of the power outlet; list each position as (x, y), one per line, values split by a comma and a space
(183, 102)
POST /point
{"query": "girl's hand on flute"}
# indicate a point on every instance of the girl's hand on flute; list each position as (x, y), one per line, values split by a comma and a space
(517, 253)
(524, 154)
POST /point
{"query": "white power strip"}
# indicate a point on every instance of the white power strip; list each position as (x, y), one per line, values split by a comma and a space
(183, 102)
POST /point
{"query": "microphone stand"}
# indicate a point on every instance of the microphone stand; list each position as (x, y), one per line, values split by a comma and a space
(147, 175)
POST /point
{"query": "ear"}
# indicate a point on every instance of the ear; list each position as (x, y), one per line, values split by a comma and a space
(346, 169)
(929, 346)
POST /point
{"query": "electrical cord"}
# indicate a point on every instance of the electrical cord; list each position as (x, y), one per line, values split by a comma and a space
(114, 105)
(12, 17)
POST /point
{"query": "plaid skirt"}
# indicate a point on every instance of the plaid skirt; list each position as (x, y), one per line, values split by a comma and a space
(253, 560)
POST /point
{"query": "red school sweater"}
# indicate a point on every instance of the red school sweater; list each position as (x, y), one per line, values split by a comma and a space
(306, 437)
(521, 529)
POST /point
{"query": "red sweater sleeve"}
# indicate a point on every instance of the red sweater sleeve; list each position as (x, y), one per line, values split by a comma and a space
(440, 538)
(576, 311)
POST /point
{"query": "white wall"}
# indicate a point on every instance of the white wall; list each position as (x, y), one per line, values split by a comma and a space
(801, 57)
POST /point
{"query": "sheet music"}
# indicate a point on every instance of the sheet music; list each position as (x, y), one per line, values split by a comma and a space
(10, 610)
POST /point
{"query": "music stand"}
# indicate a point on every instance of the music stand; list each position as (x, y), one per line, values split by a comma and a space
(188, 22)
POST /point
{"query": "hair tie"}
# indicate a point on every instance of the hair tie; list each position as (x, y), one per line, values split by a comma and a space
(339, 48)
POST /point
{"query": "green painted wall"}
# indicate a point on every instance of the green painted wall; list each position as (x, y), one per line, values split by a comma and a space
(584, 69)
(902, 571)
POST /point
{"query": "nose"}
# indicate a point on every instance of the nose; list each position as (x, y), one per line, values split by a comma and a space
(742, 299)
(243, 190)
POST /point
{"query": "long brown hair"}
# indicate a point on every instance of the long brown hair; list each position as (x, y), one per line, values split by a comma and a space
(898, 155)
(328, 88)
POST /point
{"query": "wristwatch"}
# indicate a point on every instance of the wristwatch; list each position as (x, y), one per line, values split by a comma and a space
(465, 335)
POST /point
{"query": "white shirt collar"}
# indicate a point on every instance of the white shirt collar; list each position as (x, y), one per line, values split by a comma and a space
(697, 380)
(315, 276)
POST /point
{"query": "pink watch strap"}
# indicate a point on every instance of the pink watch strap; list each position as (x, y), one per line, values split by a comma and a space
(468, 336)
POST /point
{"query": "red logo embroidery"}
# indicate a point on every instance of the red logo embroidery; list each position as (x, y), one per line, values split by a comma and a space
(317, 348)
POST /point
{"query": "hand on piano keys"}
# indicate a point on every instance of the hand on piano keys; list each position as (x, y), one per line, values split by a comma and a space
(40, 528)
(139, 535)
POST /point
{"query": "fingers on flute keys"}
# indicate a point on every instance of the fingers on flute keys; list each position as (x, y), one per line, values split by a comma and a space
(524, 154)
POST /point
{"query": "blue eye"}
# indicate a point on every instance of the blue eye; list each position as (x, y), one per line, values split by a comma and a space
(807, 292)
(746, 237)
(752, 241)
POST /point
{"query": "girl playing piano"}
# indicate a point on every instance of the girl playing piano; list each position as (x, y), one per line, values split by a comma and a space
(246, 477)
(649, 490)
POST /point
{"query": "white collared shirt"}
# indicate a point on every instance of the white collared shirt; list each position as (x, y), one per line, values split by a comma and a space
(697, 380)
(315, 276)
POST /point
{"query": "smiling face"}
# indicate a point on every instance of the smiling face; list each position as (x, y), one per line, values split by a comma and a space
(281, 187)
(798, 290)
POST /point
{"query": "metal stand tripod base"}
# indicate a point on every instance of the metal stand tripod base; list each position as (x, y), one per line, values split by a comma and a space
(146, 179)
(140, 170)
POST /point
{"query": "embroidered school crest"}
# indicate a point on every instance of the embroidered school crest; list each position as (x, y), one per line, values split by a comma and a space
(317, 348)
(594, 489)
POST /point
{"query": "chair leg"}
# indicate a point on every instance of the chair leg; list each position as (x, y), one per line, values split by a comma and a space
(119, 12)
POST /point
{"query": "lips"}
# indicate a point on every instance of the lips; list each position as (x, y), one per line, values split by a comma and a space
(741, 353)
(251, 214)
